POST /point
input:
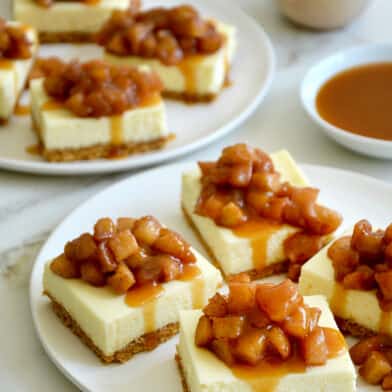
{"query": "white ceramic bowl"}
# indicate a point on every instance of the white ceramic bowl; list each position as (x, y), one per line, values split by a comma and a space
(322, 14)
(325, 70)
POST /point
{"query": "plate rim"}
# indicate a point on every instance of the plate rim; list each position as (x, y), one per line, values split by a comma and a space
(181, 166)
(148, 160)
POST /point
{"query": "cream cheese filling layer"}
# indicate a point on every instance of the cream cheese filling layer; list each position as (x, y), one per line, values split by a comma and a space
(61, 129)
(236, 254)
(67, 17)
(205, 372)
(360, 306)
(13, 76)
(111, 323)
(198, 75)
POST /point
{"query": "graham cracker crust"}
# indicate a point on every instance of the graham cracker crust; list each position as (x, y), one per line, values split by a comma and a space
(146, 342)
(101, 151)
(350, 327)
(3, 121)
(190, 98)
(273, 269)
(182, 373)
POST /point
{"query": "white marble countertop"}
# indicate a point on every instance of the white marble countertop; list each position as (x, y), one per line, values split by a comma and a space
(31, 206)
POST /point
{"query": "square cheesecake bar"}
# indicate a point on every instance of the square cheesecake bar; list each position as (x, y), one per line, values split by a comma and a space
(18, 48)
(191, 55)
(356, 280)
(240, 224)
(263, 355)
(67, 21)
(103, 112)
(120, 289)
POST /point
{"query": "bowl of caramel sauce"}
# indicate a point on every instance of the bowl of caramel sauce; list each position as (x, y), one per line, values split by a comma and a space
(349, 95)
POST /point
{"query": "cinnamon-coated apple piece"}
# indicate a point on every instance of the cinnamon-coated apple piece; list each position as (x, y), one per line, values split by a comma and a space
(279, 341)
(137, 259)
(387, 383)
(242, 297)
(172, 243)
(280, 300)
(384, 280)
(361, 350)
(216, 307)
(81, 249)
(65, 268)
(250, 347)
(229, 327)
(314, 348)
(104, 229)
(222, 349)
(122, 279)
(146, 230)
(375, 368)
(125, 224)
(257, 318)
(170, 267)
(106, 258)
(231, 215)
(123, 245)
(91, 273)
(204, 333)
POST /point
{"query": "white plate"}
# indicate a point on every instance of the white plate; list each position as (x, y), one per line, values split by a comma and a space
(195, 125)
(157, 192)
(325, 70)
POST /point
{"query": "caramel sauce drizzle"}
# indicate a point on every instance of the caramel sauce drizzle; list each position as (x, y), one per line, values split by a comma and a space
(6, 64)
(338, 300)
(145, 296)
(188, 67)
(193, 273)
(258, 231)
(21, 110)
(116, 130)
(266, 375)
(52, 105)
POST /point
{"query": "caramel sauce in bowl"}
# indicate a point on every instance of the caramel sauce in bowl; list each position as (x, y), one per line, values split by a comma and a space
(347, 95)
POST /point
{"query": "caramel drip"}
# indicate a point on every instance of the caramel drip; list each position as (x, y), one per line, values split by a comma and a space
(266, 375)
(338, 300)
(193, 273)
(188, 69)
(227, 82)
(21, 110)
(91, 2)
(6, 64)
(150, 100)
(116, 129)
(258, 231)
(146, 297)
(34, 149)
(385, 324)
(335, 342)
(52, 105)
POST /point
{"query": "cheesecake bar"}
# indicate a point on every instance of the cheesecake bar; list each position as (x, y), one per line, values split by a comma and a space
(18, 47)
(256, 213)
(263, 338)
(68, 20)
(120, 289)
(95, 110)
(355, 276)
(191, 55)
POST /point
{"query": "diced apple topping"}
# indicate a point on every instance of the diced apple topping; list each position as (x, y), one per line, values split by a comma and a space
(265, 322)
(374, 356)
(128, 253)
(243, 186)
(363, 261)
